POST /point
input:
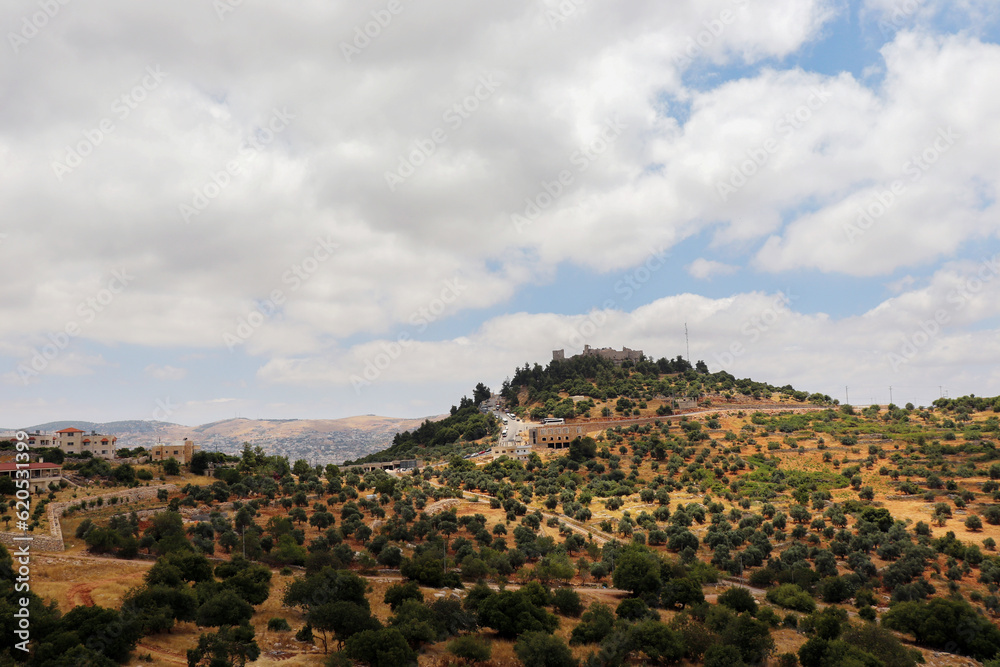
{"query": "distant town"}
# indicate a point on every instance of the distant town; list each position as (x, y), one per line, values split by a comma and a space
(316, 441)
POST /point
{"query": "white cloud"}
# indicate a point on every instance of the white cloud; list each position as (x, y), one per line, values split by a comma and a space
(322, 173)
(891, 175)
(914, 341)
(891, 16)
(706, 269)
(165, 372)
(650, 76)
(33, 365)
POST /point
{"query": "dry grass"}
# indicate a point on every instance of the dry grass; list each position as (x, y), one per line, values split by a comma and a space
(70, 580)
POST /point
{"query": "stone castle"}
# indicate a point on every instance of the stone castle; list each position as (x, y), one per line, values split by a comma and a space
(616, 356)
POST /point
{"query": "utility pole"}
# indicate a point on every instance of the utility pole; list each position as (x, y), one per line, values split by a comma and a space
(847, 395)
(890, 394)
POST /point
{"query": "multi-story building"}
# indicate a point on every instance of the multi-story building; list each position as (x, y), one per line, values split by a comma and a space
(617, 357)
(40, 474)
(74, 441)
(520, 450)
(39, 439)
(558, 436)
(181, 451)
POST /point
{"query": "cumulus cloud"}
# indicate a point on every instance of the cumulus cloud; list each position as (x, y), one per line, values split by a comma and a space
(166, 372)
(213, 179)
(706, 269)
(915, 341)
(48, 360)
(296, 194)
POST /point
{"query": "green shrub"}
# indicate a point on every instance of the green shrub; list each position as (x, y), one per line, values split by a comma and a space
(567, 602)
(596, 624)
(305, 634)
(787, 660)
(791, 596)
(471, 648)
(739, 600)
(380, 648)
(953, 625)
(539, 649)
(278, 624)
(769, 616)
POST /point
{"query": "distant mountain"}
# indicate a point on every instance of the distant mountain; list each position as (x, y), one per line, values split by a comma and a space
(316, 440)
(110, 428)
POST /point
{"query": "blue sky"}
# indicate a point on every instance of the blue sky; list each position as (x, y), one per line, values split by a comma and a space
(298, 221)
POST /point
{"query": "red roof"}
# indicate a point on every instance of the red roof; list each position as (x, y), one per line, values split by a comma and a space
(70, 430)
(7, 467)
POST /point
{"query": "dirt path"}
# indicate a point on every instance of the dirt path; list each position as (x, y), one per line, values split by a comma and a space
(162, 655)
(79, 594)
(78, 559)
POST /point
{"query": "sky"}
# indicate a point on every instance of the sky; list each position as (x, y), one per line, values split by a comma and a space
(315, 209)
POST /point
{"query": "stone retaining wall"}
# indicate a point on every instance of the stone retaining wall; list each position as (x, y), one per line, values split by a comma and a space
(54, 540)
(134, 460)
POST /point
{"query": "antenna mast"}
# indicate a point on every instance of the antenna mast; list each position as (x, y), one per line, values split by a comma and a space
(687, 342)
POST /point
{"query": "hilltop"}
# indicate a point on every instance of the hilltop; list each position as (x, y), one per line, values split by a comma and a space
(588, 387)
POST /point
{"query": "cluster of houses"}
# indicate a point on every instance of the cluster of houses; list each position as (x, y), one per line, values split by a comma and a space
(74, 442)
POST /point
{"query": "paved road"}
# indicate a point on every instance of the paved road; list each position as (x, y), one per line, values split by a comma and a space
(514, 428)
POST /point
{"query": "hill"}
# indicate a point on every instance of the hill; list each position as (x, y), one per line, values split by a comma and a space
(576, 386)
(788, 529)
(586, 387)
